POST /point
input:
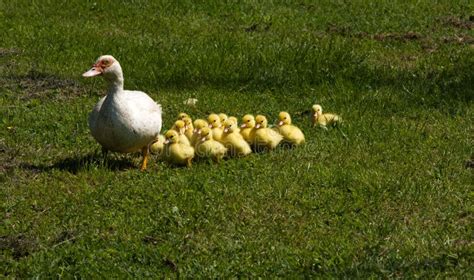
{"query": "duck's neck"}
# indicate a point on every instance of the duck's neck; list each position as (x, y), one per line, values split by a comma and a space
(114, 79)
(115, 85)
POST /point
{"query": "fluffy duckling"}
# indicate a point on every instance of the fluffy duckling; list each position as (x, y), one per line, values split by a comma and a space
(157, 146)
(265, 137)
(223, 117)
(198, 124)
(290, 133)
(234, 119)
(177, 152)
(182, 115)
(207, 147)
(248, 128)
(216, 126)
(234, 141)
(188, 127)
(323, 120)
(180, 127)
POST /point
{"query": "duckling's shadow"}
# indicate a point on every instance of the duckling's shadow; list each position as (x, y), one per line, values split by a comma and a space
(76, 164)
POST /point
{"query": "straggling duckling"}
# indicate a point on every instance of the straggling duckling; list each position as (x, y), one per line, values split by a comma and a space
(216, 126)
(290, 133)
(324, 120)
(234, 141)
(207, 147)
(157, 146)
(248, 128)
(265, 138)
(176, 152)
(180, 127)
(199, 124)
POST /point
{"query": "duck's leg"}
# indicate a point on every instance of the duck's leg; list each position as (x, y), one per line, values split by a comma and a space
(145, 153)
(188, 162)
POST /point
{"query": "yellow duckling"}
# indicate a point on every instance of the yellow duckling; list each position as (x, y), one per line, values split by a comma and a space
(234, 119)
(181, 116)
(265, 137)
(188, 128)
(234, 141)
(179, 126)
(207, 147)
(216, 126)
(290, 133)
(248, 128)
(157, 146)
(222, 117)
(199, 124)
(323, 120)
(176, 152)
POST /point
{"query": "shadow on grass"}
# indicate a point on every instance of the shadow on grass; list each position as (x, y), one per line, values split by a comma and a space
(75, 164)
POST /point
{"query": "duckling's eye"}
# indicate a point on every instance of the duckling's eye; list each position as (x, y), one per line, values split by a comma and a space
(248, 120)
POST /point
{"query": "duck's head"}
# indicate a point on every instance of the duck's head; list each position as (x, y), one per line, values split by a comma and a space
(229, 126)
(222, 117)
(214, 121)
(248, 121)
(284, 118)
(199, 124)
(179, 126)
(206, 134)
(171, 136)
(188, 123)
(182, 116)
(107, 66)
(261, 121)
(317, 110)
(233, 119)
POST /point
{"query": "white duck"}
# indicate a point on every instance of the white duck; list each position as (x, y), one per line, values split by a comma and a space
(123, 121)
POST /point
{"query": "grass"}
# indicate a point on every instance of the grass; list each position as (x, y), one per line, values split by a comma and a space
(393, 199)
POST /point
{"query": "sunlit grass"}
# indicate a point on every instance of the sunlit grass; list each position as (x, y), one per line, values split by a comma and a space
(390, 199)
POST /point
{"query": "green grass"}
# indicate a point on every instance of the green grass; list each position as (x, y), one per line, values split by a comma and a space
(393, 199)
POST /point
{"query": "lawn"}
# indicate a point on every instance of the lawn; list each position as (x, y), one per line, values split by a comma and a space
(388, 195)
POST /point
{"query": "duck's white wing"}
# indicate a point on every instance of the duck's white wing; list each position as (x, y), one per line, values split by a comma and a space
(145, 112)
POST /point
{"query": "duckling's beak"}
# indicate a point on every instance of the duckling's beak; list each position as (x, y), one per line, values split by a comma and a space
(280, 123)
(167, 141)
(203, 139)
(210, 125)
(243, 125)
(257, 126)
(226, 130)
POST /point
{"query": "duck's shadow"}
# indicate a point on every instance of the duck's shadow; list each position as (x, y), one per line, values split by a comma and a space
(76, 164)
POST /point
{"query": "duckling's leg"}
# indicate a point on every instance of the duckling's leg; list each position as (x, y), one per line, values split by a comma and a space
(145, 157)
(188, 162)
